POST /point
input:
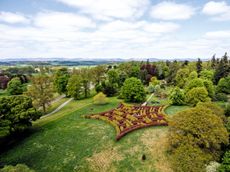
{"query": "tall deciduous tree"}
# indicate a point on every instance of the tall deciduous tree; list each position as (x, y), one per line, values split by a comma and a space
(61, 80)
(74, 86)
(41, 91)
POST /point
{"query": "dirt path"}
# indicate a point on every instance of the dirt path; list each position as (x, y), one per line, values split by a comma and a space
(58, 108)
(145, 103)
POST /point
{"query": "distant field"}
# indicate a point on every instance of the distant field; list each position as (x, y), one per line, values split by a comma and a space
(67, 142)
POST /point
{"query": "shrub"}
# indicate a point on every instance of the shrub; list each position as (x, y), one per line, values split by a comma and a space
(225, 165)
(151, 88)
(100, 99)
(227, 125)
(17, 168)
(221, 97)
(133, 90)
(212, 166)
(189, 158)
(195, 95)
(217, 110)
(207, 74)
(177, 96)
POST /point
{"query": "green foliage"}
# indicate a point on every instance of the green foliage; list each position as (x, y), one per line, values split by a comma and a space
(113, 76)
(182, 77)
(15, 86)
(133, 90)
(189, 158)
(227, 125)
(98, 88)
(41, 90)
(17, 168)
(193, 75)
(197, 94)
(110, 89)
(155, 81)
(209, 87)
(197, 82)
(227, 110)
(100, 99)
(199, 66)
(151, 88)
(221, 97)
(61, 80)
(98, 73)
(74, 86)
(196, 130)
(207, 74)
(225, 165)
(217, 110)
(177, 96)
(224, 85)
(17, 113)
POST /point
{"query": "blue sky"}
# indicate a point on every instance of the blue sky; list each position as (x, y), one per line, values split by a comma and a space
(114, 28)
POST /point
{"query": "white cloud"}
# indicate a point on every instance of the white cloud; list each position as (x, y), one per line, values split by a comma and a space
(107, 9)
(13, 18)
(161, 27)
(217, 10)
(223, 34)
(61, 20)
(171, 11)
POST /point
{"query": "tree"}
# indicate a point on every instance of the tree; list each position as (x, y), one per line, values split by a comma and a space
(213, 62)
(222, 69)
(197, 94)
(197, 82)
(98, 73)
(218, 111)
(199, 66)
(100, 99)
(193, 75)
(224, 85)
(41, 91)
(196, 134)
(189, 158)
(113, 76)
(209, 87)
(17, 113)
(133, 90)
(207, 74)
(61, 80)
(182, 77)
(110, 89)
(155, 81)
(86, 78)
(177, 96)
(15, 86)
(74, 86)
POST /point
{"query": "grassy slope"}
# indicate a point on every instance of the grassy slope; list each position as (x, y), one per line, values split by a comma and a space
(67, 142)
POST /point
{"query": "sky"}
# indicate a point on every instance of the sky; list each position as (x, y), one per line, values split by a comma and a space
(93, 29)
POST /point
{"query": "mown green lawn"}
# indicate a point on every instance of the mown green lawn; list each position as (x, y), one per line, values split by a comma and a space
(66, 141)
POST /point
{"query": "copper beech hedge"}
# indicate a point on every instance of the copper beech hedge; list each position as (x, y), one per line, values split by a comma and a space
(126, 118)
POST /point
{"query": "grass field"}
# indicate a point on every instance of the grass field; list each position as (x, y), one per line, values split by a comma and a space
(66, 141)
